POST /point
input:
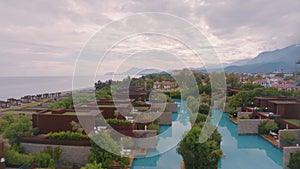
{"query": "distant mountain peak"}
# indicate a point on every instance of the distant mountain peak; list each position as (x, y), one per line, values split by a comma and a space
(269, 61)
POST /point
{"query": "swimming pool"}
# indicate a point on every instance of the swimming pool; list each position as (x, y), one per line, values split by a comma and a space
(241, 152)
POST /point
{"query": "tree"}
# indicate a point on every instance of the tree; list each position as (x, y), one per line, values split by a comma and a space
(66, 103)
(204, 109)
(240, 99)
(21, 126)
(198, 118)
(108, 151)
(200, 155)
(232, 79)
(294, 162)
(104, 93)
(266, 126)
(93, 165)
(296, 94)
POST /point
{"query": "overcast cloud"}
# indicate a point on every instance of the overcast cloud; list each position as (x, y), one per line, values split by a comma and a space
(45, 37)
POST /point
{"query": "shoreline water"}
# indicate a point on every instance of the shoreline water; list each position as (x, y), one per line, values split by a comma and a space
(17, 87)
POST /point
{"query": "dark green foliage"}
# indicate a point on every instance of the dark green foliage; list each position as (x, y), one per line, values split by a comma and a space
(107, 152)
(47, 157)
(43, 160)
(99, 85)
(245, 98)
(294, 162)
(154, 126)
(205, 89)
(204, 109)
(175, 94)
(200, 155)
(118, 121)
(248, 86)
(232, 79)
(93, 165)
(104, 93)
(54, 152)
(198, 118)
(66, 135)
(14, 158)
(19, 126)
(5, 121)
(266, 126)
(66, 103)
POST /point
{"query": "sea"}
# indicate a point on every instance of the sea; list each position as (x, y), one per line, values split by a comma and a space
(16, 87)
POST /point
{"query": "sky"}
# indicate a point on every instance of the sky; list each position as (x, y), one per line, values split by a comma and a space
(45, 38)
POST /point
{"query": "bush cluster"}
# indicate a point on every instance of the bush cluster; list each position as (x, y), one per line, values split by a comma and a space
(66, 135)
(266, 126)
(118, 121)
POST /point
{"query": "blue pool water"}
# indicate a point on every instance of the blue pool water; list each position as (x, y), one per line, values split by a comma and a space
(241, 152)
(246, 151)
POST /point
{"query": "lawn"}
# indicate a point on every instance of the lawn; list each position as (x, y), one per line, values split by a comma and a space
(293, 121)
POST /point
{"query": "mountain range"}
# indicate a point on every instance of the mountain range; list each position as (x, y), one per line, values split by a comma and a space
(136, 71)
(278, 60)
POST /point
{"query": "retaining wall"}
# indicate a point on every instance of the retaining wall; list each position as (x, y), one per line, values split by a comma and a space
(287, 154)
(282, 143)
(71, 157)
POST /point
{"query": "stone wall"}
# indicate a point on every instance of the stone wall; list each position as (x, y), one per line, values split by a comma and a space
(282, 143)
(71, 157)
(165, 118)
(248, 126)
(172, 107)
(146, 139)
(243, 114)
(287, 154)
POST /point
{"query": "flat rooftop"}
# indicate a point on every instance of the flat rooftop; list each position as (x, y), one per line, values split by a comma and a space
(284, 102)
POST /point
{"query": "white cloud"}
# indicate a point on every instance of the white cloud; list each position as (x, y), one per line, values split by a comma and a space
(51, 33)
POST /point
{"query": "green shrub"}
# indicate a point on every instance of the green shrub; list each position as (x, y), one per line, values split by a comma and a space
(154, 126)
(203, 109)
(198, 118)
(118, 121)
(247, 117)
(47, 157)
(139, 102)
(66, 103)
(15, 158)
(66, 135)
(43, 160)
(54, 152)
(266, 126)
(294, 162)
(108, 151)
(93, 165)
(19, 126)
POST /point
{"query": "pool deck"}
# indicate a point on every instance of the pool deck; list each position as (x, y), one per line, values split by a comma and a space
(234, 120)
(131, 158)
(270, 139)
(143, 151)
(182, 165)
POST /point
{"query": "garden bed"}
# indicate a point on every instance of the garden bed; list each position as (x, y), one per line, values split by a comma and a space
(41, 139)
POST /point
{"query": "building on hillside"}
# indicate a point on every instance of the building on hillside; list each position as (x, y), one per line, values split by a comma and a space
(167, 85)
(262, 82)
(286, 87)
(157, 85)
(297, 73)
